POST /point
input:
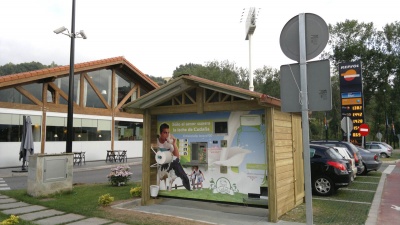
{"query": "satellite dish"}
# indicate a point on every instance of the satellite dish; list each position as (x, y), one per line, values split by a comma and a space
(317, 36)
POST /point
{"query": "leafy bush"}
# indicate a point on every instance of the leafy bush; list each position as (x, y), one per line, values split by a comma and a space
(119, 175)
(105, 200)
(136, 191)
(10, 221)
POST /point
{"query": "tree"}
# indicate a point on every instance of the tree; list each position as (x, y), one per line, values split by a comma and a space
(159, 80)
(223, 72)
(378, 52)
(267, 81)
(11, 68)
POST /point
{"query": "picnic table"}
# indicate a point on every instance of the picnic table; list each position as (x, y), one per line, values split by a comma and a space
(116, 156)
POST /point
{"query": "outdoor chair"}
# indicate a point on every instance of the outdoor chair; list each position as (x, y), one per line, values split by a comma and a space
(123, 157)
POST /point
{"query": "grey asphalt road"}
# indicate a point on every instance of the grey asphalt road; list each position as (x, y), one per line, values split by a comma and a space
(88, 177)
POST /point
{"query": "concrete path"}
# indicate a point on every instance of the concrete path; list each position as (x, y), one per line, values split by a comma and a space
(43, 216)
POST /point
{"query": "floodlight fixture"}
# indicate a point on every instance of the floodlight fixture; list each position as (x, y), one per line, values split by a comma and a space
(60, 30)
(82, 33)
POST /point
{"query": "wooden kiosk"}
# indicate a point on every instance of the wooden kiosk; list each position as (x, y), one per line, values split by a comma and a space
(264, 140)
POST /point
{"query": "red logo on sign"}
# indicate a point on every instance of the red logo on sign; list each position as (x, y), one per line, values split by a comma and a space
(349, 75)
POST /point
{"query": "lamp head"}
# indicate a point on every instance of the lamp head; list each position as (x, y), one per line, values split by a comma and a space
(83, 34)
(60, 30)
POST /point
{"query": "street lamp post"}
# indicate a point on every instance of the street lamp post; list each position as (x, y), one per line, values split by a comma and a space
(386, 120)
(391, 126)
(72, 35)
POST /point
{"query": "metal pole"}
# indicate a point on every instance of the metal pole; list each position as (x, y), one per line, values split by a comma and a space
(326, 127)
(251, 87)
(71, 85)
(348, 128)
(386, 120)
(304, 118)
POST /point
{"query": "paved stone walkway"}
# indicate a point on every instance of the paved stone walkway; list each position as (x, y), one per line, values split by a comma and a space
(43, 216)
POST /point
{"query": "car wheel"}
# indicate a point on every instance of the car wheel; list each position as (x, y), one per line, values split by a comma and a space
(365, 170)
(383, 155)
(323, 186)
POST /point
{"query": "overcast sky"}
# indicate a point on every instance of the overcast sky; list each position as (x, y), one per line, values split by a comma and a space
(159, 35)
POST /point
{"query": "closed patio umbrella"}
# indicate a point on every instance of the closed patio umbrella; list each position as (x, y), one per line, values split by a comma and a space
(26, 141)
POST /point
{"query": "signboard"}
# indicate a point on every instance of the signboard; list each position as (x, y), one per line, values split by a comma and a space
(364, 129)
(318, 82)
(351, 96)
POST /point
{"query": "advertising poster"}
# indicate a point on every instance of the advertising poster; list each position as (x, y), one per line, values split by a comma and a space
(222, 155)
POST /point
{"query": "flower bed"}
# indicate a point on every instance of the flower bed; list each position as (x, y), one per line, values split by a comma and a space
(119, 175)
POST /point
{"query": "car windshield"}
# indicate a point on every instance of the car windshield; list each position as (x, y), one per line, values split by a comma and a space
(334, 154)
(353, 147)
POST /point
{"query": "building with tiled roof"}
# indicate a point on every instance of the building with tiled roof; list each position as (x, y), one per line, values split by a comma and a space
(100, 89)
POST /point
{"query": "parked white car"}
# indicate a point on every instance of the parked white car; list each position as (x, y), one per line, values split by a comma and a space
(347, 155)
(382, 149)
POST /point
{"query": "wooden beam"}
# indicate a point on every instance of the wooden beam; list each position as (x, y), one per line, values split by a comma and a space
(271, 164)
(232, 106)
(200, 100)
(81, 89)
(29, 95)
(190, 98)
(113, 104)
(44, 116)
(127, 96)
(146, 158)
(96, 90)
(208, 107)
(61, 93)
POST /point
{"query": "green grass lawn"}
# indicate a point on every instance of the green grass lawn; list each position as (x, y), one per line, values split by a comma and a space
(81, 200)
(348, 206)
(21, 222)
(395, 156)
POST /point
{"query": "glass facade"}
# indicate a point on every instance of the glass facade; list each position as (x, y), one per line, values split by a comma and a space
(63, 84)
(125, 131)
(11, 127)
(13, 96)
(84, 129)
(123, 86)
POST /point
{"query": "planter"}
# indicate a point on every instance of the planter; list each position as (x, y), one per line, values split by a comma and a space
(154, 190)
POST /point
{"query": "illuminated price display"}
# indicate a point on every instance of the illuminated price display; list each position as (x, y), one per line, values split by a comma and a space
(356, 108)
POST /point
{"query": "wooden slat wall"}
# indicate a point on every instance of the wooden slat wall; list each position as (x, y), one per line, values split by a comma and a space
(148, 158)
(298, 159)
(285, 164)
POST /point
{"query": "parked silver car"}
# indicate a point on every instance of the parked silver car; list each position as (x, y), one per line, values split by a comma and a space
(370, 160)
(384, 150)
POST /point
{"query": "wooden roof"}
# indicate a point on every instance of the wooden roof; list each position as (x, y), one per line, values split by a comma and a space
(187, 81)
(51, 73)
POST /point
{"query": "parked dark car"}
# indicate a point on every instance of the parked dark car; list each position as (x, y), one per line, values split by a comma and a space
(329, 171)
(351, 147)
(370, 160)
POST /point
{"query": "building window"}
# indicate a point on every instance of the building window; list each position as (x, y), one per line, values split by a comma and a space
(11, 127)
(83, 129)
(35, 89)
(126, 131)
(13, 96)
(122, 87)
(63, 84)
